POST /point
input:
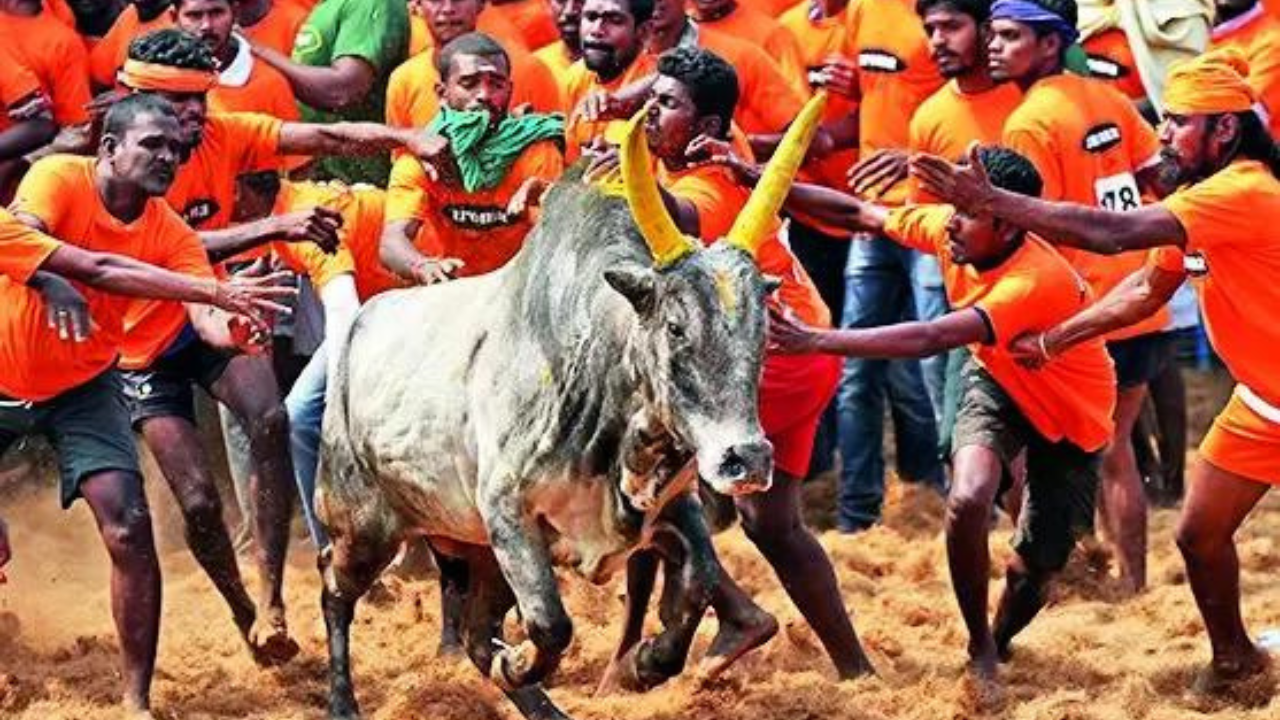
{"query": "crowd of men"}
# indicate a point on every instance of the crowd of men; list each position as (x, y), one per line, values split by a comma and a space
(1001, 202)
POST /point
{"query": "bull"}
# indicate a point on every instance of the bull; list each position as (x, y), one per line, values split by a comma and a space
(551, 414)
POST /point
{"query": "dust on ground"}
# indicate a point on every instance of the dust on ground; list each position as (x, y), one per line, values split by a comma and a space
(1089, 656)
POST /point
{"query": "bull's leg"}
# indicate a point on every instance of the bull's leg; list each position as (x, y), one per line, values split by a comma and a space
(642, 572)
(521, 552)
(488, 599)
(348, 568)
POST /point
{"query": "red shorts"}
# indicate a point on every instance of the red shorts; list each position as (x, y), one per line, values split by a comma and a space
(793, 393)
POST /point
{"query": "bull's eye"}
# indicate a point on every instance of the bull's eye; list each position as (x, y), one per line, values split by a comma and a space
(675, 330)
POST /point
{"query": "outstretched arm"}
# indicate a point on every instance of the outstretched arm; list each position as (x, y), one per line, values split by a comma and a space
(901, 340)
(350, 138)
(1098, 231)
(334, 87)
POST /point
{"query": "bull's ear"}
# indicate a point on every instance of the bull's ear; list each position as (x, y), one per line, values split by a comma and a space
(638, 285)
(771, 284)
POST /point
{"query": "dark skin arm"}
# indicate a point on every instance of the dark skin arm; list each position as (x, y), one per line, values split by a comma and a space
(336, 87)
(26, 136)
(901, 340)
(319, 225)
(604, 160)
(1079, 226)
(1136, 297)
(398, 254)
(354, 138)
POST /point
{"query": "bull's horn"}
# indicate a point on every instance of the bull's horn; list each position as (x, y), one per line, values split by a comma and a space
(753, 223)
(640, 187)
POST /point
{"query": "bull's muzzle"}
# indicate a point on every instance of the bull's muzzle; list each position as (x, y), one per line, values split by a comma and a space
(744, 468)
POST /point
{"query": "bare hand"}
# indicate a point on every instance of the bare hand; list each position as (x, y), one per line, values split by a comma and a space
(102, 102)
(604, 161)
(878, 172)
(838, 74)
(35, 106)
(967, 187)
(1030, 350)
(527, 197)
(436, 156)
(66, 310)
(318, 225)
(249, 334)
(706, 150)
(254, 295)
(521, 110)
(600, 106)
(429, 271)
(788, 335)
(5, 552)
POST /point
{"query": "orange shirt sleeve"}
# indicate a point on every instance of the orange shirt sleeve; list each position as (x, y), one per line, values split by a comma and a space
(407, 196)
(184, 253)
(69, 62)
(715, 196)
(44, 192)
(1209, 211)
(1036, 144)
(534, 83)
(17, 83)
(919, 227)
(22, 249)
(308, 259)
(256, 140)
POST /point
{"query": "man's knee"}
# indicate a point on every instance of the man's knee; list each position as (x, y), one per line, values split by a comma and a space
(126, 531)
(201, 506)
(967, 506)
(268, 424)
(1195, 540)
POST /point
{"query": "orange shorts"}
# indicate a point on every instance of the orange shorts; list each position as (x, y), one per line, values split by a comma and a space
(793, 393)
(1243, 442)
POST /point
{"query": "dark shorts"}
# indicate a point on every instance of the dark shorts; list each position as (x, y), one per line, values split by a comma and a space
(165, 388)
(88, 427)
(1062, 479)
(1139, 359)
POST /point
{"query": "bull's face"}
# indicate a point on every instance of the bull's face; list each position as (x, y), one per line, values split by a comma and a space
(702, 348)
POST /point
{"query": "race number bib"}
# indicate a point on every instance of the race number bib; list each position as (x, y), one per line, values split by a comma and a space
(1117, 192)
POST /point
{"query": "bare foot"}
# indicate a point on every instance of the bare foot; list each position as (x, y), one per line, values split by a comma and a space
(269, 640)
(134, 710)
(981, 686)
(733, 640)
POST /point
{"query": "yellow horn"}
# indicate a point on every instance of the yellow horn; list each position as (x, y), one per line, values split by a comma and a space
(665, 240)
(753, 223)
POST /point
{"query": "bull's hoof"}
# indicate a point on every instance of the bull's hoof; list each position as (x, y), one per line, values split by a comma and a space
(344, 709)
(631, 672)
(511, 665)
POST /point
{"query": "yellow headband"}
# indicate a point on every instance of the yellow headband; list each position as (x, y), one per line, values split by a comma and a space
(1213, 83)
(164, 78)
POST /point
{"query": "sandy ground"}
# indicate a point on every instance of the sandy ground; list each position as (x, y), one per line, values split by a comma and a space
(1088, 657)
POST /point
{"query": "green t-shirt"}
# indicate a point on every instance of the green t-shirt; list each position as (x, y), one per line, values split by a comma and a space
(376, 31)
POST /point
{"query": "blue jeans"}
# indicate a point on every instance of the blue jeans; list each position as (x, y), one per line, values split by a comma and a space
(879, 291)
(930, 297)
(305, 404)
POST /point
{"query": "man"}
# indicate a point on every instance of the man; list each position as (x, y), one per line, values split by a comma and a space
(558, 56)
(1001, 283)
(1089, 144)
(1219, 226)
(1243, 24)
(163, 358)
(489, 22)
(532, 18)
(138, 18)
(26, 121)
(412, 93)
(244, 83)
(69, 391)
(269, 23)
(693, 103)
(890, 76)
(55, 54)
(972, 106)
(614, 36)
(343, 56)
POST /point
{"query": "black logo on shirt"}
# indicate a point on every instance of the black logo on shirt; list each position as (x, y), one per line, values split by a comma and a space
(1195, 264)
(198, 212)
(478, 217)
(1106, 68)
(883, 61)
(1101, 137)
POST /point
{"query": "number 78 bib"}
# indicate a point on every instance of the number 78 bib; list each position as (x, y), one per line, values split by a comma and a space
(1117, 192)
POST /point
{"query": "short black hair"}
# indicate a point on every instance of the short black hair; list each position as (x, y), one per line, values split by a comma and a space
(264, 182)
(173, 48)
(472, 43)
(979, 10)
(641, 10)
(1010, 171)
(123, 112)
(177, 4)
(711, 82)
(1256, 142)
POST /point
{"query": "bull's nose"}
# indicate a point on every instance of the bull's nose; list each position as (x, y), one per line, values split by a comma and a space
(748, 465)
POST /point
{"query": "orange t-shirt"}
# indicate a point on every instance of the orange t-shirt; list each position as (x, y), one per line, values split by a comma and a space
(110, 52)
(946, 123)
(264, 90)
(1229, 220)
(204, 191)
(361, 207)
(774, 8)
(491, 23)
(412, 101)
(532, 18)
(473, 227)
(718, 199)
(767, 100)
(1257, 35)
(278, 28)
(57, 57)
(557, 59)
(819, 40)
(895, 75)
(1034, 289)
(1087, 140)
(61, 12)
(1111, 60)
(766, 33)
(579, 83)
(17, 84)
(22, 249)
(60, 192)
(306, 5)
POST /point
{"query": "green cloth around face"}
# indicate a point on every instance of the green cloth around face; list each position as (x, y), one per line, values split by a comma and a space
(484, 156)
